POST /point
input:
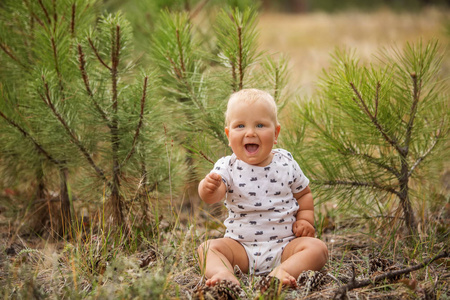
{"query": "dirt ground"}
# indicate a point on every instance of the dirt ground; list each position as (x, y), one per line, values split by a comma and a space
(360, 266)
(381, 265)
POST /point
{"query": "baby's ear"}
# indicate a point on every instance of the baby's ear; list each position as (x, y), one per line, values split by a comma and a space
(227, 132)
(277, 133)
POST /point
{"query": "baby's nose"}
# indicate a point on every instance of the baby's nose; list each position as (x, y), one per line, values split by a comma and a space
(250, 132)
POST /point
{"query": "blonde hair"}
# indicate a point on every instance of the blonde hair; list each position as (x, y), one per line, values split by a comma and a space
(250, 96)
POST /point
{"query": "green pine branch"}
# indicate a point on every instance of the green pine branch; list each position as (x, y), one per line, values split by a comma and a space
(373, 128)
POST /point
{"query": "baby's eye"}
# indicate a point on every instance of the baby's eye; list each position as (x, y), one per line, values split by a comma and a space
(240, 126)
(260, 126)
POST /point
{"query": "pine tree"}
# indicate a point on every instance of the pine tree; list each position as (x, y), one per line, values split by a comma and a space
(201, 68)
(124, 106)
(35, 40)
(70, 89)
(199, 81)
(376, 132)
(75, 96)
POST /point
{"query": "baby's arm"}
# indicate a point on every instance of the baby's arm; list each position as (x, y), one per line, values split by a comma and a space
(304, 226)
(212, 189)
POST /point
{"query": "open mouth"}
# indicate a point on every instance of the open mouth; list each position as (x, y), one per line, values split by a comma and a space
(251, 148)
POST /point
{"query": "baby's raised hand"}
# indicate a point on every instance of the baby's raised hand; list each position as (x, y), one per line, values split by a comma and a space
(303, 228)
(212, 182)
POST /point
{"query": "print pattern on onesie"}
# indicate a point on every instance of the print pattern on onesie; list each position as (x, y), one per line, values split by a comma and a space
(260, 202)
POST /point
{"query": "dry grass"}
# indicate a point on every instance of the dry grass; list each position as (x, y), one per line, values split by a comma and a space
(309, 39)
(99, 265)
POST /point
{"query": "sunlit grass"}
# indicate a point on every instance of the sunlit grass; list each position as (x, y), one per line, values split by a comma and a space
(309, 39)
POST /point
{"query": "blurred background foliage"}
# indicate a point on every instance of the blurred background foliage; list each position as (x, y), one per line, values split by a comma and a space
(286, 6)
(335, 6)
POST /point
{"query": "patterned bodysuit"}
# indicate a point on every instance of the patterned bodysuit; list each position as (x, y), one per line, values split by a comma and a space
(261, 206)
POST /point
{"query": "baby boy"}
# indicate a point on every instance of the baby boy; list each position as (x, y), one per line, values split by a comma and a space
(270, 224)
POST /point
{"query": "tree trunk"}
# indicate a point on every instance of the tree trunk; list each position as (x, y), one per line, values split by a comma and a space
(40, 193)
(66, 218)
(405, 203)
(116, 201)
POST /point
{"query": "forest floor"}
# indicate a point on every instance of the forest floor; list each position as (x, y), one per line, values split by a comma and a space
(369, 258)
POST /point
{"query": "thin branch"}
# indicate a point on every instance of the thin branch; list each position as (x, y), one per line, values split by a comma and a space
(82, 62)
(97, 54)
(55, 16)
(357, 184)
(277, 87)
(115, 45)
(116, 54)
(175, 67)
(416, 98)
(6, 49)
(38, 146)
(141, 117)
(366, 157)
(377, 95)
(55, 56)
(87, 85)
(240, 58)
(180, 76)
(180, 51)
(72, 21)
(420, 159)
(233, 75)
(47, 100)
(374, 120)
(206, 157)
(38, 19)
(374, 161)
(354, 284)
(49, 21)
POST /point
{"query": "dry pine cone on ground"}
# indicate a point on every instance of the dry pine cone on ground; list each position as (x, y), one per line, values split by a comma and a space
(310, 280)
(224, 290)
(269, 287)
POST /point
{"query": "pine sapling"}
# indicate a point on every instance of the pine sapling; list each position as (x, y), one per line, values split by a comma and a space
(376, 131)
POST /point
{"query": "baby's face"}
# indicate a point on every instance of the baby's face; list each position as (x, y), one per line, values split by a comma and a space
(252, 132)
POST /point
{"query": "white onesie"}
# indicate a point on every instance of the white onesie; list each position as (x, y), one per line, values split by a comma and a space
(261, 206)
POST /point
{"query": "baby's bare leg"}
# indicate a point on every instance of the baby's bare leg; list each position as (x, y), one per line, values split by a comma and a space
(218, 257)
(301, 254)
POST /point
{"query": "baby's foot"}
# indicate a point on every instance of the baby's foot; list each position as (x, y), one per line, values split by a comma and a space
(284, 277)
(221, 276)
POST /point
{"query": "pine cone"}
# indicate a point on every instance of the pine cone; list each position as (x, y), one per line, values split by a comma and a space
(224, 290)
(243, 277)
(310, 279)
(269, 287)
(228, 290)
(203, 293)
(378, 264)
(146, 258)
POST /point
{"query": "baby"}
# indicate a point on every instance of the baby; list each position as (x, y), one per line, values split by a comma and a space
(269, 229)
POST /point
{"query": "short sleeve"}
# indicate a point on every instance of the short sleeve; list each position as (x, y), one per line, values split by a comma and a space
(221, 167)
(299, 180)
